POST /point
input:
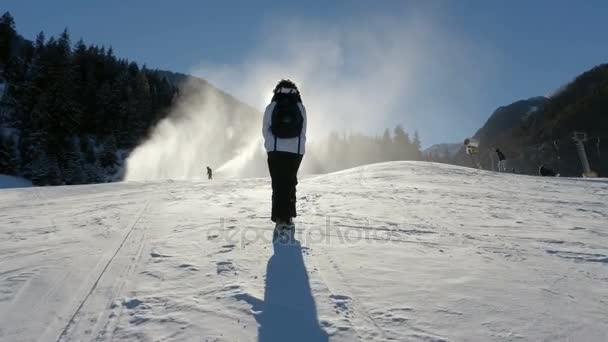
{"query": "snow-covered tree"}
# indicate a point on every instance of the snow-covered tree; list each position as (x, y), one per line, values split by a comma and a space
(56, 93)
(9, 163)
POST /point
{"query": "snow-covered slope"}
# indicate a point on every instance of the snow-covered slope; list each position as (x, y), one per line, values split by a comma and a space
(398, 251)
(13, 182)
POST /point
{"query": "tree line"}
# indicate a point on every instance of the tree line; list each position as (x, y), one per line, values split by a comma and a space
(341, 151)
(69, 113)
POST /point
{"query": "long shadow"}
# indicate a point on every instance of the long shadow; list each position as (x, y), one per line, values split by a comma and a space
(288, 312)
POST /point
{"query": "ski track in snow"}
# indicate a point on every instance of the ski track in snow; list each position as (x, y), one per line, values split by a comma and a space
(400, 251)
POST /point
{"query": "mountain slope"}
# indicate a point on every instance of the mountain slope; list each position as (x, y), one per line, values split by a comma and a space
(440, 152)
(507, 118)
(497, 132)
(538, 131)
(396, 251)
(581, 105)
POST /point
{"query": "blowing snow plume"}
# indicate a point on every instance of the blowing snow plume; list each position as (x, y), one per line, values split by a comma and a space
(353, 78)
(205, 127)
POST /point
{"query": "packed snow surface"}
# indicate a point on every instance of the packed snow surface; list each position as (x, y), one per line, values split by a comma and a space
(400, 251)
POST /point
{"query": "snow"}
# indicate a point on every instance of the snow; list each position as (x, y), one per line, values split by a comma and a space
(403, 251)
(13, 182)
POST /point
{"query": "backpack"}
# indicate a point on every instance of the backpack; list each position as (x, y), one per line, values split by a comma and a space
(287, 120)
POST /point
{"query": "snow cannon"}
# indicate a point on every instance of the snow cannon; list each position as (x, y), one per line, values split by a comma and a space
(471, 146)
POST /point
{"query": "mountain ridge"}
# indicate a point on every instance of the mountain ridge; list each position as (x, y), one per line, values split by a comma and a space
(538, 130)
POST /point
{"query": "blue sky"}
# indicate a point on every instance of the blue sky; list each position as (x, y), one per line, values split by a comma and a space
(526, 48)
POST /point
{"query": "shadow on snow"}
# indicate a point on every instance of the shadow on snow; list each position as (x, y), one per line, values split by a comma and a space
(288, 312)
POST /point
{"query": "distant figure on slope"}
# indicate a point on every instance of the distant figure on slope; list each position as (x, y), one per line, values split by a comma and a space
(209, 173)
(284, 130)
(502, 161)
(546, 172)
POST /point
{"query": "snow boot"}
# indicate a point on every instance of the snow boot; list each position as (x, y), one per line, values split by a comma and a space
(284, 232)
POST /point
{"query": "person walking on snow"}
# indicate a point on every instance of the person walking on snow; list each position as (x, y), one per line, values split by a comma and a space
(502, 167)
(284, 130)
(209, 173)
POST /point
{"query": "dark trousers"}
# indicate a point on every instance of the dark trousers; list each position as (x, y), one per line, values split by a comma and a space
(283, 167)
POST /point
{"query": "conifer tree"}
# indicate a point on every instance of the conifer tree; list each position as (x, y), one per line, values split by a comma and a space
(7, 36)
(73, 173)
(57, 94)
(8, 157)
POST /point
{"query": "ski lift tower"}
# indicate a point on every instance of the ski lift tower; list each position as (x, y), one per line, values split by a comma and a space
(580, 138)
